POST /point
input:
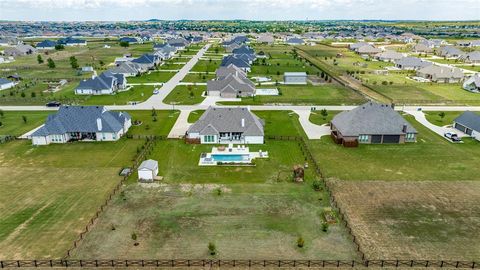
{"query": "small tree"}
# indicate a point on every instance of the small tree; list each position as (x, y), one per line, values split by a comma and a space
(300, 242)
(24, 118)
(212, 248)
(134, 236)
(39, 59)
(50, 63)
(154, 112)
(73, 62)
(325, 226)
(1, 113)
(442, 115)
(59, 47)
(124, 44)
(33, 94)
(324, 113)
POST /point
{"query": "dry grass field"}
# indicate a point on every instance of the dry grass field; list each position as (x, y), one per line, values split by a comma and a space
(413, 220)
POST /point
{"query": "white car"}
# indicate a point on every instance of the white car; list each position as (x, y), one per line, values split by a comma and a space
(156, 91)
(452, 136)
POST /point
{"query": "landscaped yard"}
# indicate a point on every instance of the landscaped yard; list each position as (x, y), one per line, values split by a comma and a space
(153, 122)
(317, 118)
(186, 95)
(50, 192)
(430, 158)
(436, 119)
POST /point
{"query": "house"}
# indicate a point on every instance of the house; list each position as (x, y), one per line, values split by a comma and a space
(371, 123)
(6, 84)
(388, 56)
(130, 40)
(82, 123)
(295, 41)
(232, 85)
(472, 84)
(105, 84)
(227, 125)
(450, 52)
(19, 50)
(468, 123)
(179, 43)
(243, 64)
(471, 57)
(244, 49)
(128, 69)
(368, 50)
(148, 170)
(295, 78)
(229, 48)
(164, 50)
(46, 45)
(230, 69)
(148, 61)
(266, 39)
(236, 40)
(441, 74)
(411, 63)
(357, 45)
(469, 43)
(70, 41)
(8, 41)
(422, 48)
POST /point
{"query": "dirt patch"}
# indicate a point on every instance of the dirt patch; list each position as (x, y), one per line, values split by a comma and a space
(413, 220)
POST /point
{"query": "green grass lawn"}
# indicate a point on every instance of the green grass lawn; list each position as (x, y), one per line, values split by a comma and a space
(153, 77)
(194, 116)
(50, 192)
(13, 124)
(306, 94)
(137, 93)
(317, 118)
(186, 95)
(170, 66)
(206, 66)
(431, 158)
(434, 117)
(198, 77)
(160, 124)
(246, 221)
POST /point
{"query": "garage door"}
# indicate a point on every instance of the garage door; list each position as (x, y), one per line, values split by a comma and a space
(460, 127)
(376, 138)
(391, 138)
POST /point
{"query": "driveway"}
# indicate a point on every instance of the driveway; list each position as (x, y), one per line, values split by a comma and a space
(314, 132)
(420, 117)
(181, 125)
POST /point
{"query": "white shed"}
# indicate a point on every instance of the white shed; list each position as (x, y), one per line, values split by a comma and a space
(148, 170)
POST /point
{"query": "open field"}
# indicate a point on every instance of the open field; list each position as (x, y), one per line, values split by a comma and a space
(49, 193)
(412, 219)
(186, 95)
(430, 158)
(13, 124)
(306, 94)
(246, 221)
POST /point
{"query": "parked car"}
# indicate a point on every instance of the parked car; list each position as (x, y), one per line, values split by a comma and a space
(156, 91)
(53, 104)
(452, 136)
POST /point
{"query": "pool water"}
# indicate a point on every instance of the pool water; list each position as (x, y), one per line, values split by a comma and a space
(227, 158)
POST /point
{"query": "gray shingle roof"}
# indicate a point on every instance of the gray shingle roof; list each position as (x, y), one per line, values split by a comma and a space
(238, 62)
(4, 81)
(232, 83)
(82, 119)
(98, 83)
(412, 62)
(371, 119)
(228, 120)
(469, 119)
(148, 164)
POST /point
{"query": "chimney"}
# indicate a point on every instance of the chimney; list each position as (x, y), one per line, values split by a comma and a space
(404, 128)
(99, 124)
(243, 122)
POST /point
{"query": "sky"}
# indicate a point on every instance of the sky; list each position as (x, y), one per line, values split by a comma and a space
(126, 10)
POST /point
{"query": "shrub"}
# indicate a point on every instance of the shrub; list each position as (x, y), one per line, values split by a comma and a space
(325, 226)
(134, 236)
(212, 248)
(300, 242)
(316, 185)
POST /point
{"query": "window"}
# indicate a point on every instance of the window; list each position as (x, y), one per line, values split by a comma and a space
(114, 136)
(209, 138)
(363, 138)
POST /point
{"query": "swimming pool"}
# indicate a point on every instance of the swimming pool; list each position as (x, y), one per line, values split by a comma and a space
(230, 158)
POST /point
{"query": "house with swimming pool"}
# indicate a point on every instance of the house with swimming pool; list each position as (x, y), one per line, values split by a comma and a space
(227, 126)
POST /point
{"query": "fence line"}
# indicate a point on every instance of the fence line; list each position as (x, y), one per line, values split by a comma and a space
(103, 263)
(146, 150)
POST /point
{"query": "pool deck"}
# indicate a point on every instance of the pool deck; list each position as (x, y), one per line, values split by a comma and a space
(206, 159)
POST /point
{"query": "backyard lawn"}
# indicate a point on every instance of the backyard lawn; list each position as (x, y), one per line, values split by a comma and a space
(317, 118)
(186, 95)
(430, 158)
(50, 192)
(13, 123)
(153, 122)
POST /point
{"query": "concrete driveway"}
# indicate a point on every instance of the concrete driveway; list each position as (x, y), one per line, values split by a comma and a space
(313, 131)
(440, 131)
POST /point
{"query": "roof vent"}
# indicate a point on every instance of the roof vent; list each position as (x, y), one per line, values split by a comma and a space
(243, 122)
(99, 124)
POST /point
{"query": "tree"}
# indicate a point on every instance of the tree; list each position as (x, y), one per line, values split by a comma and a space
(300, 242)
(154, 112)
(39, 59)
(442, 115)
(1, 113)
(50, 63)
(59, 47)
(33, 94)
(102, 63)
(212, 248)
(325, 226)
(22, 94)
(73, 62)
(24, 118)
(324, 113)
(124, 44)
(216, 49)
